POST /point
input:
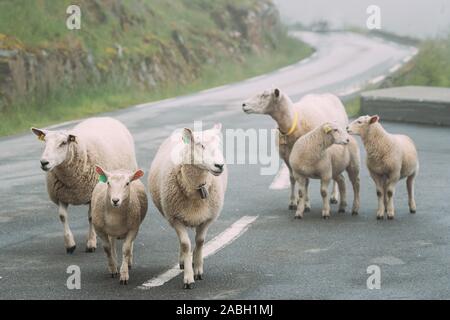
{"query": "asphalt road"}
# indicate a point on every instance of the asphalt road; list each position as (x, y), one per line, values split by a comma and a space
(276, 257)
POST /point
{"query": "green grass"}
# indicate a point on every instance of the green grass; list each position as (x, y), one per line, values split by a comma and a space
(431, 66)
(353, 107)
(69, 104)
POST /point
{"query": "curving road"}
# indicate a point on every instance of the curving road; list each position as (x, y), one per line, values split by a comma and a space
(259, 251)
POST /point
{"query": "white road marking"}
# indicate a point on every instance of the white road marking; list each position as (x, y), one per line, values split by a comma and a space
(407, 59)
(61, 124)
(395, 68)
(281, 181)
(377, 79)
(349, 91)
(222, 240)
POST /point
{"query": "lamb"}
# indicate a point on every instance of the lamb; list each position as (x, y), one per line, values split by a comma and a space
(187, 182)
(296, 120)
(69, 158)
(390, 157)
(324, 154)
(118, 208)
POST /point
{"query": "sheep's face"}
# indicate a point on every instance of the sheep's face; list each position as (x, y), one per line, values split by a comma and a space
(360, 125)
(262, 103)
(204, 149)
(57, 146)
(336, 133)
(118, 184)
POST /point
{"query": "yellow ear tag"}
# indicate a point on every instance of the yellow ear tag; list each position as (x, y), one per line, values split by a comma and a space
(327, 129)
(42, 137)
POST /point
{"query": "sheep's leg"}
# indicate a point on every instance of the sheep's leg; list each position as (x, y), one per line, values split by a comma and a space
(200, 236)
(130, 262)
(410, 188)
(390, 191)
(342, 193)
(126, 253)
(335, 196)
(353, 175)
(302, 182)
(293, 199)
(91, 243)
(307, 202)
(379, 184)
(69, 241)
(109, 247)
(185, 253)
(324, 183)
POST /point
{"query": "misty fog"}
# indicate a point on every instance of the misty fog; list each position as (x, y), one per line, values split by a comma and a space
(417, 18)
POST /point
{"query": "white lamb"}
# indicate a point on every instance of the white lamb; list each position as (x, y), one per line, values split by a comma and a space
(187, 182)
(69, 159)
(390, 157)
(119, 205)
(325, 153)
(296, 120)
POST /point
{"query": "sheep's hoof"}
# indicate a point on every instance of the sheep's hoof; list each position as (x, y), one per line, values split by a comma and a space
(412, 211)
(70, 250)
(113, 275)
(123, 282)
(380, 217)
(307, 209)
(354, 213)
(298, 217)
(326, 217)
(341, 211)
(292, 207)
(188, 286)
(198, 277)
(182, 266)
(90, 250)
(390, 217)
(333, 201)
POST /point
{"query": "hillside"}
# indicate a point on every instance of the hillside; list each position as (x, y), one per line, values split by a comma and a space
(129, 52)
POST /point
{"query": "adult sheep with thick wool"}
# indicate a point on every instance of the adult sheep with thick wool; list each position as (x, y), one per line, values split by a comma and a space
(69, 159)
(325, 153)
(295, 120)
(187, 182)
(390, 157)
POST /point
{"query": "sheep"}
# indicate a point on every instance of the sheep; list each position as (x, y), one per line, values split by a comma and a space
(324, 154)
(69, 158)
(390, 157)
(296, 120)
(187, 183)
(118, 208)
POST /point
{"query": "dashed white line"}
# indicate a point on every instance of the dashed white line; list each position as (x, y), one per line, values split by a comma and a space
(377, 79)
(395, 68)
(222, 240)
(281, 181)
(407, 59)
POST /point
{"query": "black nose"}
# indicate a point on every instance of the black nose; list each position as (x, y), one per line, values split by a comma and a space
(347, 128)
(115, 200)
(219, 166)
(348, 140)
(44, 163)
(243, 104)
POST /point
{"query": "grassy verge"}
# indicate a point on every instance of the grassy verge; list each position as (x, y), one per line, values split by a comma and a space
(67, 105)
(431, 66)
(353, 107)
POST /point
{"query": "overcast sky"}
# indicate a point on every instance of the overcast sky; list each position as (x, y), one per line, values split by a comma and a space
(422, 18)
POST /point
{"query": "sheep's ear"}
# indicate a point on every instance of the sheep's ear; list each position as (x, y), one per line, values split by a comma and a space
(72, 138)
(188, 137)
(102, 175)
(137, 175)
(374, 119)
(40, 133)
(276, 93)
(327, 128)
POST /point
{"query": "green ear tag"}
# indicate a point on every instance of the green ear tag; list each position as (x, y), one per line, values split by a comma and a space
(102, 178)
(185, 140)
